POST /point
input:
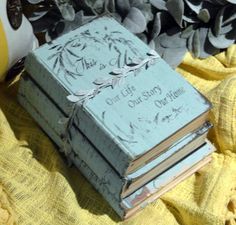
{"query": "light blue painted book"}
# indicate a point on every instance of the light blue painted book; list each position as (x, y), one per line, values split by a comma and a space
(152, 190)
(119, 93)
(121, 186)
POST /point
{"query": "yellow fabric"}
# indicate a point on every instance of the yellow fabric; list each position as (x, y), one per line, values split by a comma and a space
(42, 190)
(3, 51)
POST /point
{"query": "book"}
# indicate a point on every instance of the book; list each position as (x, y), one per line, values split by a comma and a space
(126, 207)
(142, 198)
(84, 148)
(118, 92)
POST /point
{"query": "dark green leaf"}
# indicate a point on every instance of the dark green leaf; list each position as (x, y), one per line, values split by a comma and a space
(204, 15)
(66, 9)
(171, 39)
(194, 5)
(187, 32)
(110, 6)
(174, 56)
(151, 44)
(123, 7)
(218, 22)
(231, 15)
(156, 26)
(226, 29)
(206, 48)
(196, 44)
(220, 41)
(135, 21)
(143, 37)
(159, 4)
(176, 9)
(145, 8)
(190, 19)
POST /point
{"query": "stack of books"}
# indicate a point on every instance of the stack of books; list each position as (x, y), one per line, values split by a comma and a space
(134, 127)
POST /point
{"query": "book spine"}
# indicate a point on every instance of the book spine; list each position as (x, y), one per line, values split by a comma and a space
(168, 176)
(108, 147)
(39, 72)
(98, 182)
(46, 114)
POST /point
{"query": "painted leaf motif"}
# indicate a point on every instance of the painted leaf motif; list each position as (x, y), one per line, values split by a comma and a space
(99, 81)
(117, 71)
(133, 64)
(73, 98)
(137, 61)
(82, 92)
(52, 56)
(152, 52)
(114, 82)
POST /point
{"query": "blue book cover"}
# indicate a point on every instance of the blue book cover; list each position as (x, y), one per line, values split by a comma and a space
(120, 94)
(80, 145)
(139, 199)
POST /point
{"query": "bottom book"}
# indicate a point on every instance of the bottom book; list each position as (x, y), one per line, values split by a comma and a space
(158, 192)
(129, 205)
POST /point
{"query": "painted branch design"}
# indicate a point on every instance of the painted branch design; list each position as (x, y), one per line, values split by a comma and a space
(118, 75)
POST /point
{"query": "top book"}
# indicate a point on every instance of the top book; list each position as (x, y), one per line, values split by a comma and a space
(118, 92)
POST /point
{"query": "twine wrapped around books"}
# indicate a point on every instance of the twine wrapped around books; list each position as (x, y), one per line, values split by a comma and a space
(66, 137)
(80, 98)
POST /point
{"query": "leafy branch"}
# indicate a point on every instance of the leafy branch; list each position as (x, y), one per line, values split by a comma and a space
(117, 78)
(63, 54)
(171, 27)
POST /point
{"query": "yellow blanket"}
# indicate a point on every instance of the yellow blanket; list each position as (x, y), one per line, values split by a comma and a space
(37, 187)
